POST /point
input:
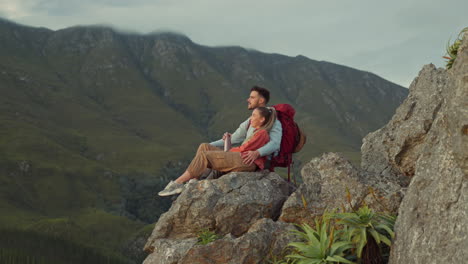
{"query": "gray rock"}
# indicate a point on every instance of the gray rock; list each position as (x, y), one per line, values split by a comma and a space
(327, 181)
(392, 151)
(228, 205)
(169, 251)
(432, 226)
(264, 239)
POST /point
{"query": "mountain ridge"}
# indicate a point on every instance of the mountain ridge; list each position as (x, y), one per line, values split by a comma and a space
(95, 121)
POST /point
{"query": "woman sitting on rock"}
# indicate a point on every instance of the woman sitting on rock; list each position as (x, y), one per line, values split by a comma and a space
(208, 156)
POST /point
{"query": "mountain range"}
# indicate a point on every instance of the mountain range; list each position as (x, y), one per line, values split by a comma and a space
(93, 121)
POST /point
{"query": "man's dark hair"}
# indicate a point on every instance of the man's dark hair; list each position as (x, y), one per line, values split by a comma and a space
(263, 92)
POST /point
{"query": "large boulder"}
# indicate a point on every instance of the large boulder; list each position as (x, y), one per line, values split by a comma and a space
(332, 182)
(230, 205)
(432, 226)
(264, 240)
(392, 151)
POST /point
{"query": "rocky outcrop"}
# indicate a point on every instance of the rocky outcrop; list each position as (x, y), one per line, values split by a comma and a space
(416, 166)
(331, 182)
(421, 155)
(432, 226)
(264, 239)
(392, 151)
(243, 208)
(239, 206)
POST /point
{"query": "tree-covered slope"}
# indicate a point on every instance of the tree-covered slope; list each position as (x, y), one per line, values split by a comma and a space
(93, 122)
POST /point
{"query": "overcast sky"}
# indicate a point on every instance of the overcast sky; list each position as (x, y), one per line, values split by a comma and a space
(393, 39)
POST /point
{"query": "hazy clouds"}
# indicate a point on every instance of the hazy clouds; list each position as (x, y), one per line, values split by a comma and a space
(390, 38)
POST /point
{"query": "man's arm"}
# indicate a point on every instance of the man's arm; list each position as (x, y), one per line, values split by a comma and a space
(237, 137)
(273, 145)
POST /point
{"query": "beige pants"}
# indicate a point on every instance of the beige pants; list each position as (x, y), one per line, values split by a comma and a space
(214, 158)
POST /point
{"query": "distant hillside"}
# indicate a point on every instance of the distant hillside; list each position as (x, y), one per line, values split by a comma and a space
(93, 122)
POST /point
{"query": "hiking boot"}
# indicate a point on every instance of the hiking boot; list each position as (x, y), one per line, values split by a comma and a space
(172, 188)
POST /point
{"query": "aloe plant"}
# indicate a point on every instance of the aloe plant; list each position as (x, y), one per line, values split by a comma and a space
(367, 230)
(319, 246)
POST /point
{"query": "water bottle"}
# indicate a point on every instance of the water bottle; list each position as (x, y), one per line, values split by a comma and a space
(227, 142)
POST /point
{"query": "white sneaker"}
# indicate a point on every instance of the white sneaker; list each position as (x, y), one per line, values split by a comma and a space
(172, 188)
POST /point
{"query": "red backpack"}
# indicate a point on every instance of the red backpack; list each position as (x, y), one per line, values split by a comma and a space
(292, 140)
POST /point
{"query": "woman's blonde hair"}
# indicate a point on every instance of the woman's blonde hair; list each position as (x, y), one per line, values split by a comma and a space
(269, 113)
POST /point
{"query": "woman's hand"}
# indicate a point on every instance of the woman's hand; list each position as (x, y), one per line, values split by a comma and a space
(250, 156)
(225, 135)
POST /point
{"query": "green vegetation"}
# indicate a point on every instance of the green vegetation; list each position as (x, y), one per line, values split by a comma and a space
(321, 245)
(206, 236)
(452, 50)
(351, 237)
(367, 230)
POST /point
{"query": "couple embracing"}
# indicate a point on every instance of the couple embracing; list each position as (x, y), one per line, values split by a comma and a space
(259, 136)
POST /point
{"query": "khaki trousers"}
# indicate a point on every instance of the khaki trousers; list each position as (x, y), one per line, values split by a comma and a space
(214, 158)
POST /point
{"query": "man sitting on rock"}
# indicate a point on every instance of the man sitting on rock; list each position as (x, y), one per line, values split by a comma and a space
(258, 99)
